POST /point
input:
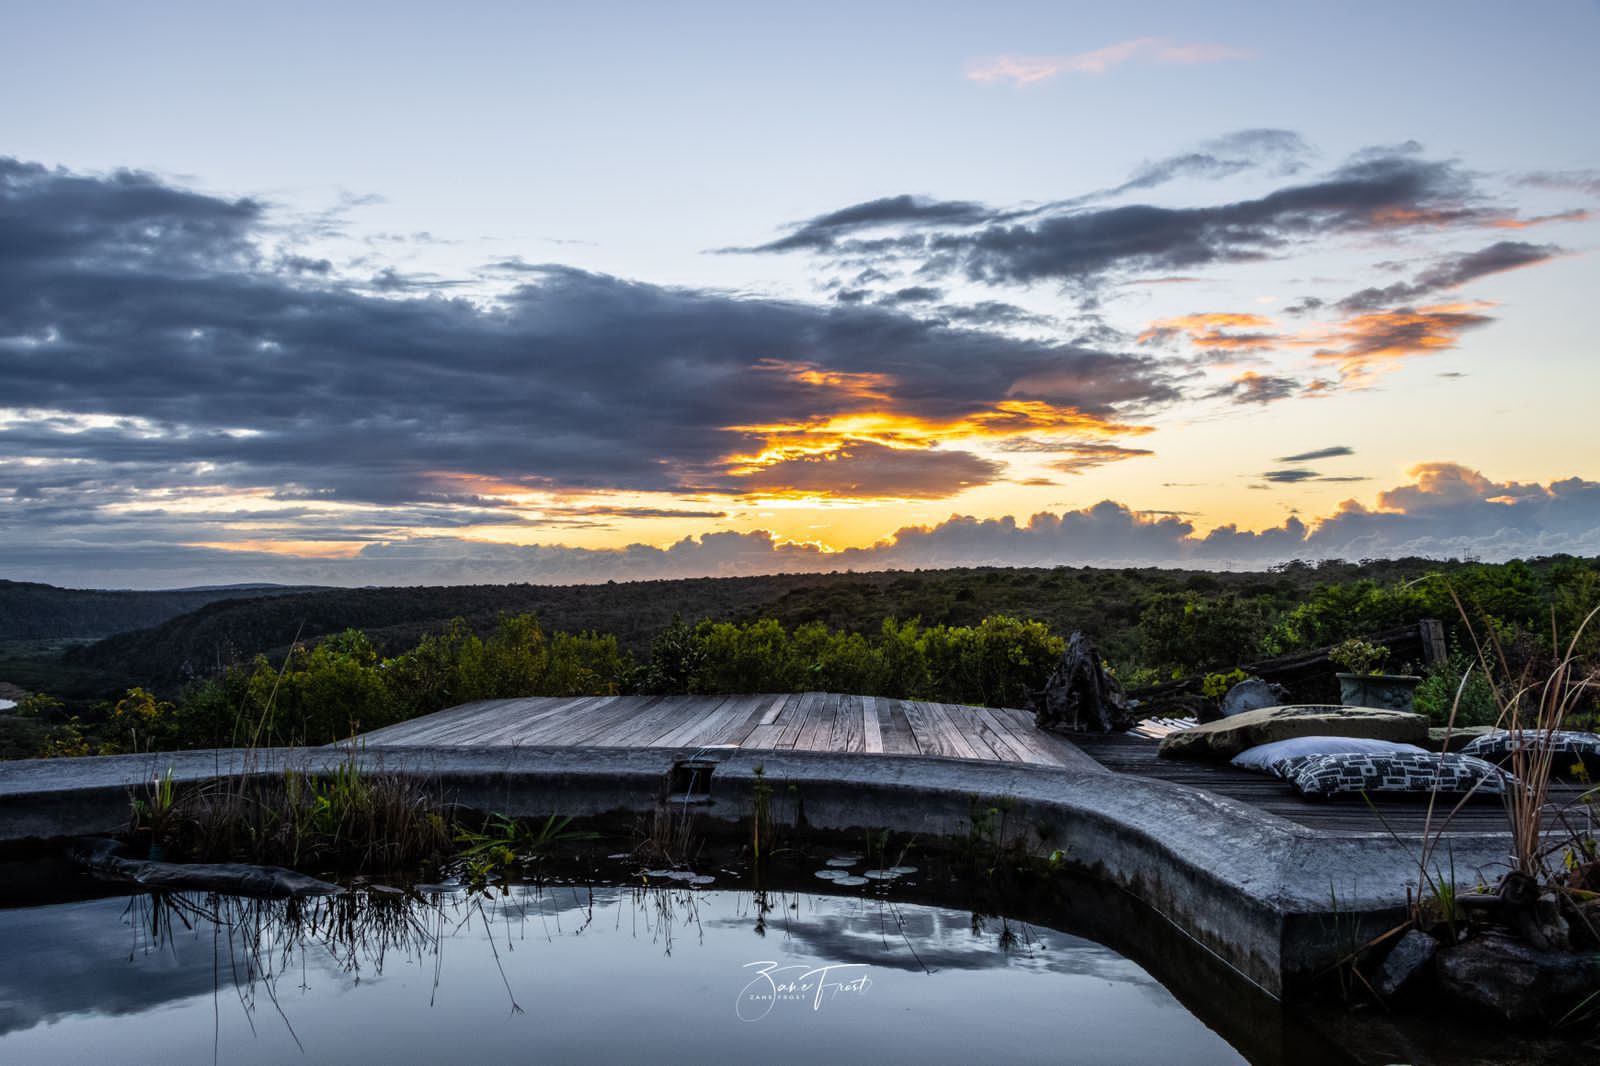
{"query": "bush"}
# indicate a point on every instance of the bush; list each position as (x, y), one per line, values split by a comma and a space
(1437, 692)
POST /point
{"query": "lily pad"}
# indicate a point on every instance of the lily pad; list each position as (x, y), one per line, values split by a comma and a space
(902, 871)
(852, 881)
(879, 875)
(844, 860)
(831, 875)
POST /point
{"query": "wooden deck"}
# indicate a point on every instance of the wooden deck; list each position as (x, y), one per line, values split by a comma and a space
(1129, 754)
(809, 721)
(826, 721)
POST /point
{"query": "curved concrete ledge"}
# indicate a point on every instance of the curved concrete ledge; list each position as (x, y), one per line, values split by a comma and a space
(1276, 901)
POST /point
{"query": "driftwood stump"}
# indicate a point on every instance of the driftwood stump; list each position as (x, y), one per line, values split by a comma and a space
(1080, 696)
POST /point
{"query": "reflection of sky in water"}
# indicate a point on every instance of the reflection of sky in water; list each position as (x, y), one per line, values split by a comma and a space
(609, 976)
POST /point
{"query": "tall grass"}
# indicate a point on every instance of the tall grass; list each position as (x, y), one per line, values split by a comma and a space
(1534, 703)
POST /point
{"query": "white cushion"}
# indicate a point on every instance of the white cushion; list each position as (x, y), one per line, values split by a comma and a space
(1282, 757)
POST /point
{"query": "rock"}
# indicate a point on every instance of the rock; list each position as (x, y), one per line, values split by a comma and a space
(1252, 694)
(233, 878)
(1514, 982)
(1405, 961)
(1459, 737)
(1226, 738)
(1080, 697)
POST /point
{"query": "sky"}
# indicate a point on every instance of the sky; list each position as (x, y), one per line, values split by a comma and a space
(406, 293)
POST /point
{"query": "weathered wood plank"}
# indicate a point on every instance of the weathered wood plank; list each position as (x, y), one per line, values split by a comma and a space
(810, 703)
(496, 717)
(641, 728)
(898, 736)
(738, 715)
(553, 726)
(1039, 748)
(998, 739)
(846, 725)
(690, 725)
(923, 730)
(599, 725)
(952, 732)
(418, 729)
(819, 726)
(762, 708)
(765, 737)
(871, 728)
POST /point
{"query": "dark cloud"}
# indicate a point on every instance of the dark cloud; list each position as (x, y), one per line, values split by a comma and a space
(1584, 181)
(1333, 452)
(155, 349)
(864, 469)
(1296, 475)
(1081, 457)
(1278, 151)
(912, 294)
(823, 232)
(1251, 387)
(1452, 272)
(1076, 456)
(1387, 190)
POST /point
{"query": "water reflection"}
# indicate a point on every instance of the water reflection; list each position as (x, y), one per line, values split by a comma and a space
(569, 973)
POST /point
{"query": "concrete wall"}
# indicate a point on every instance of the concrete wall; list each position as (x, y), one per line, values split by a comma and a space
(1274, 900)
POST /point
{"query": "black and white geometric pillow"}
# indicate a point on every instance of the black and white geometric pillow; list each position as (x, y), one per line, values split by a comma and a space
(1567, 747)
(1330, 775)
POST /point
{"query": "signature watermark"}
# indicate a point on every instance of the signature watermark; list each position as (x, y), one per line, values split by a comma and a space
(797, 986)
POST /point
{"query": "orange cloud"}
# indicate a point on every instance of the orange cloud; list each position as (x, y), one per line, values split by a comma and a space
(1362, 344)
(1577, 215)
(304, 549)
(862, 385)
(1207, 330)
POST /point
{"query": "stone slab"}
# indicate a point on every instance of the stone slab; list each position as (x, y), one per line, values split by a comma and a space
(1227, 737)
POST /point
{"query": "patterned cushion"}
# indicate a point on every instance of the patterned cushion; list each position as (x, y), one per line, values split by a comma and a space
(1568, 749)
(1329, 775)
(1281, 758)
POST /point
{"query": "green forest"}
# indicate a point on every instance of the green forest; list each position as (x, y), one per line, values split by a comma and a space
(312, 668)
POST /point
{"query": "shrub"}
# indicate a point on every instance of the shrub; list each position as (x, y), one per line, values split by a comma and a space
(1440, 682)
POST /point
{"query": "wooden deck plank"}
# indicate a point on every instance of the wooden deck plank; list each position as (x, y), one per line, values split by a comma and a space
(493, 719)
(597, 726)
(795, 718)
(999, 738)
(871, 728)
(952, 735)
(1043, 749)
(418, 729)
(647, 723)
(819, 726)
(923, 730)
(763, 708)
(898, 736)
(554, 725)
(765, 736)
(691, 725)
(839, 736)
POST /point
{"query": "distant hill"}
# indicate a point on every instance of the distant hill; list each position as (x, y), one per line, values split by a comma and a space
(1106, 603)
(31, 611)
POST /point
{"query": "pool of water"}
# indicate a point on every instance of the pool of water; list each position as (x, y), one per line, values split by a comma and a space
(617, 974)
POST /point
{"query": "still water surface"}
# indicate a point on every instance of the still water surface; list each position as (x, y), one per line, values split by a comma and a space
(572, 975)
